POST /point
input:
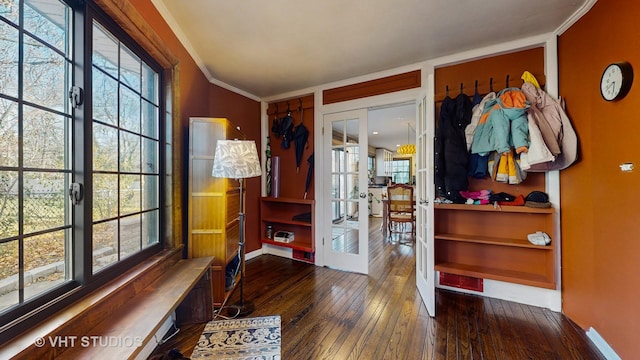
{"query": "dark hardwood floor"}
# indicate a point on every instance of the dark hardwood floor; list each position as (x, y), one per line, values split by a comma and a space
(330, 314)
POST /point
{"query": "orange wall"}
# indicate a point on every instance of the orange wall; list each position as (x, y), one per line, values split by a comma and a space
(600, 241)
(198, 97)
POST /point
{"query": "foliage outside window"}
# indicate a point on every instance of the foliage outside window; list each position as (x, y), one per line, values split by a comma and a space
(401, 171)
(45, 245)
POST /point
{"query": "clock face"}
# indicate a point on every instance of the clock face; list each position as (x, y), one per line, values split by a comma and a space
(611, 82)
(616, 81)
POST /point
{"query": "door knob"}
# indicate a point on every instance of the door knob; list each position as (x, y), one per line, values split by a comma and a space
(424, 202)
(363, 195)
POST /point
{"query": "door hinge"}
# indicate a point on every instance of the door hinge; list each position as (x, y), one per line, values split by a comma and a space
(322, 241)
(76, 96)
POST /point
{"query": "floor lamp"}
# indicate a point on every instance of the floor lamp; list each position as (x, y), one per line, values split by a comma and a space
(238, 159)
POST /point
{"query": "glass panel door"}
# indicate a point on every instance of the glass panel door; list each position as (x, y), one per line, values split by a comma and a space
(346, 229)
(425, 272)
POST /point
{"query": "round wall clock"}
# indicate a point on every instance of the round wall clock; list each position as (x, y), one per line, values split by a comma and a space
(616, 81)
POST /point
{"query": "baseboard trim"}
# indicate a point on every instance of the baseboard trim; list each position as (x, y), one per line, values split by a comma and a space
(602, 345)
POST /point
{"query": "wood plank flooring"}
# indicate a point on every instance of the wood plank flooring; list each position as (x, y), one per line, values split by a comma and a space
(330, 314)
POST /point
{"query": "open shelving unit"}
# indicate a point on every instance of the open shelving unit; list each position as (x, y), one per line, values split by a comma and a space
(279, 213)
(470, 243)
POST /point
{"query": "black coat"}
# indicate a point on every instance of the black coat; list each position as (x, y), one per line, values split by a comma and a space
(451, 155)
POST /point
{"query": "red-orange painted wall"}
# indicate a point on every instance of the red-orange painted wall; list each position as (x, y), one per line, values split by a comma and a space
(198, 97)
(600, 227)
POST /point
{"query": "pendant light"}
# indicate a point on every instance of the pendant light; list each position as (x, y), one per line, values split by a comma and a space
(408, 148)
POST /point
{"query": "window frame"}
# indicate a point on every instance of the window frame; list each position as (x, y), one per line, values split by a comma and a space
(394, 172)
(82, 280)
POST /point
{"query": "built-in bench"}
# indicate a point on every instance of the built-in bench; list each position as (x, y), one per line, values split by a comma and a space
(118, 320)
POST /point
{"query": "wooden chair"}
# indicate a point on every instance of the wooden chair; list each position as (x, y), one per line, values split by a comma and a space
(401, 208)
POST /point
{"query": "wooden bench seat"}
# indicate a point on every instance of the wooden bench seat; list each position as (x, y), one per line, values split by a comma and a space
(121, 323)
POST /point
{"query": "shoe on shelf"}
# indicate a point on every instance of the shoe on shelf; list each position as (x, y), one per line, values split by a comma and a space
(539, 238)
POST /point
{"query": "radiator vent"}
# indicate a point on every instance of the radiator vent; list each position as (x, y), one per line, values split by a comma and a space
(461, 281)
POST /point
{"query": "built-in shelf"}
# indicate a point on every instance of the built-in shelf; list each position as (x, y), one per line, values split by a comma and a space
(279, 213)
(490, 242)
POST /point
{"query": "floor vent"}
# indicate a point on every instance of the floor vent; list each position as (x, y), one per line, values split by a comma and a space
(304, 256)
(461, 281)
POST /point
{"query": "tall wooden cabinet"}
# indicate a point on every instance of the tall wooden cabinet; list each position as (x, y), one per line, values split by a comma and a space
(214, 203)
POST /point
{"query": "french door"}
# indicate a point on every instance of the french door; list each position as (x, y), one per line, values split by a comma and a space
(346, 215)
(425, 273)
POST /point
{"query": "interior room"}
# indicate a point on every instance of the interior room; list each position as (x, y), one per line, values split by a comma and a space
(172, 169)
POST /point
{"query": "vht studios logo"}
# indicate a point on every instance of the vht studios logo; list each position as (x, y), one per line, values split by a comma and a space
(69, 341)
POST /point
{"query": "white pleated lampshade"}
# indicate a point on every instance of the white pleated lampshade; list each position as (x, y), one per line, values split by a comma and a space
(236, 159)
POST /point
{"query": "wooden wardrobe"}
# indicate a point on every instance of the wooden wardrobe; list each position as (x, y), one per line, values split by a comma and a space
(214, 203)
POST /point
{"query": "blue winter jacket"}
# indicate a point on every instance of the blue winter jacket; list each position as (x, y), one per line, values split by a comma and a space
(503, 124)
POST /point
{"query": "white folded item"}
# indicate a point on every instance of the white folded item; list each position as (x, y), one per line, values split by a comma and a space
(539, 238)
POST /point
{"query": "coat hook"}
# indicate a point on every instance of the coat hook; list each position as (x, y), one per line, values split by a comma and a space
(288, 109)
(460, 88)
(490, 84)
(276, 113)
(476, 88)
(446, 93)
(507, 80)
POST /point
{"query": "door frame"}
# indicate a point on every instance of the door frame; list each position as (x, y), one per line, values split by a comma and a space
(321, 110)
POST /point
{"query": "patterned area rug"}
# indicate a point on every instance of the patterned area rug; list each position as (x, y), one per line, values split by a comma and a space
(255, 338)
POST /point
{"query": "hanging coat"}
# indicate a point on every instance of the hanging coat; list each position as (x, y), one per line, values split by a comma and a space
(546, 115)
(569, 146)
(451, 155)
(475, 117)
(538, 151)
(503, 124)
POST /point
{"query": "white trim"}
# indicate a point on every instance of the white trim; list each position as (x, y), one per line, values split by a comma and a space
(254, 253)
(318, 170)
(277, 250)
(184, 40)
(575, 17)
(234, 89)
(552, 178)
(604, 347)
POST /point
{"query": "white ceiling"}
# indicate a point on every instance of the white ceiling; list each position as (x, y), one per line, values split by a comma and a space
(266, 48)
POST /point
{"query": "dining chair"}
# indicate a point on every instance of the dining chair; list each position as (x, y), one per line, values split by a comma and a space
(401, 209)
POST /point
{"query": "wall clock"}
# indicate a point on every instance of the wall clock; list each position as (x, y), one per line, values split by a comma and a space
(616, 81)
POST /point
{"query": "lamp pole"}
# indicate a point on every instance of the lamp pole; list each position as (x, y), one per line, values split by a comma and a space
(244, 308)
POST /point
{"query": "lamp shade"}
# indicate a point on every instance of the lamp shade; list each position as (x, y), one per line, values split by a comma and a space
(236, 159)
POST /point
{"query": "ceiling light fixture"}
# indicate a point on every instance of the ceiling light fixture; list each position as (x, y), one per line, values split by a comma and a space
(408, 148)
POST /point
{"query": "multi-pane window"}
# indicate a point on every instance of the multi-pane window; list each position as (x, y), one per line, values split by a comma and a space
(112, 149)
(126, 143)
(35, 157)
(401, 171)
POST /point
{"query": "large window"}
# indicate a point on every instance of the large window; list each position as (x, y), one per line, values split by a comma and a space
(112, 151)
